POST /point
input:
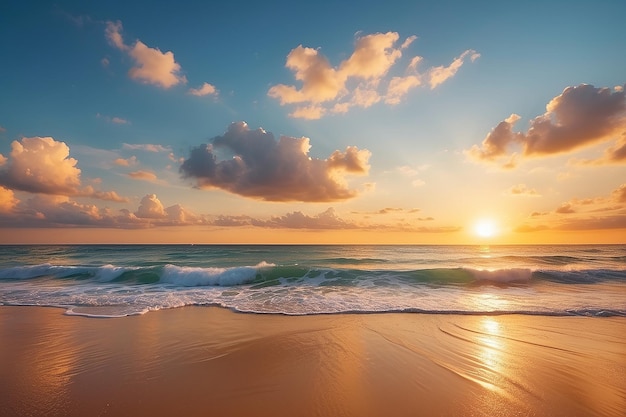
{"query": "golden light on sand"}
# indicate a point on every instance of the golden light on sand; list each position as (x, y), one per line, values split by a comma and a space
(485, 228)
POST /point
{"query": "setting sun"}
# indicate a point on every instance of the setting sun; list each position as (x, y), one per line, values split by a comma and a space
(485, 228)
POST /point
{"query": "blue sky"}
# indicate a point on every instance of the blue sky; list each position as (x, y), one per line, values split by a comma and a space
(404, 168)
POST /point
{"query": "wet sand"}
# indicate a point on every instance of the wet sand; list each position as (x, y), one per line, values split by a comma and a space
(196, 361)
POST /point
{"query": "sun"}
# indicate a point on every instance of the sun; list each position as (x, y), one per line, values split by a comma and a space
(485, 228)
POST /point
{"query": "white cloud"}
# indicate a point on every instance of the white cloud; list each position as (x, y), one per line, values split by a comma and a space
(205, 90)
(143, 175)
(439, 75)
(151, 65)
(125, 162)
(43, 165)
(148, 147)
(150, 208)
(358, 81)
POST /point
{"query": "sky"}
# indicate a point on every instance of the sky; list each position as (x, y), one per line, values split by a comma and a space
(408, 122)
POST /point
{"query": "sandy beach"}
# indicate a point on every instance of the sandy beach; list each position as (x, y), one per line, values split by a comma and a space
(211, 361)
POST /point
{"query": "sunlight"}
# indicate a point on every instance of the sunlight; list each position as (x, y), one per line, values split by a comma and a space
(485, 228)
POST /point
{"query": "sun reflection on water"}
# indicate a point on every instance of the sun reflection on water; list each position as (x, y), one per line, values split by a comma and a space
(485, 251)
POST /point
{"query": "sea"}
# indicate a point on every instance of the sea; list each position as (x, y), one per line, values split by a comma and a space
(122, 280)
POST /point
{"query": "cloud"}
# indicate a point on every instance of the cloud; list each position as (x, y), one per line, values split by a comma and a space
(521, 190)
(599, 223)
(152, 208)
(619, 195)
(388, 210)
(232, 221)
(400, 86)
(151, 65)
(358, 81)
(60, 211)
(607, 212)
(142, 175)
(256, 165)
(373, 56)
(125, 162)
(580, 116)
(7, 200)
(411, 172)
(312, 112)
(147, 147)
(43, 165)
(565, 208)
(439, 75)
(115, 120)
(113, 33)
(327, 220)
(89, 191)
(614, 154)
(2, 129)
(119, 121)
(205, 90)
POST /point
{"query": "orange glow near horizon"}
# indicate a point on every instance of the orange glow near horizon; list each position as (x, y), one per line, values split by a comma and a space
(186, 235)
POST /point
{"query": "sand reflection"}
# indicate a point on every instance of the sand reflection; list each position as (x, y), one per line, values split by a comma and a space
(42, 361)
(491, 347)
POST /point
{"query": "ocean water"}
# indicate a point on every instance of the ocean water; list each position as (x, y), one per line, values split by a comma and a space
(121, 280)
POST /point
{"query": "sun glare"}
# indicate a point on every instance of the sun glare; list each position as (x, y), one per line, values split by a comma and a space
(485, 228)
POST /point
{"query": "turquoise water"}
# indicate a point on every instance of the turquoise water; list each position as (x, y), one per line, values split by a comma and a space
(120, 280)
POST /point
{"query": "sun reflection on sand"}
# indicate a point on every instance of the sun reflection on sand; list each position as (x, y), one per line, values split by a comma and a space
(491, 348)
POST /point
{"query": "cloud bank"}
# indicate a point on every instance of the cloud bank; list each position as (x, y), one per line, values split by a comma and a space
(599, 213)
(580, 116)
(360, 80)
(252, 163)
(60, 211)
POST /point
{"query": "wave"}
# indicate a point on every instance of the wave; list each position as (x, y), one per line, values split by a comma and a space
(265, 273)
(196, 276)
(110, 290)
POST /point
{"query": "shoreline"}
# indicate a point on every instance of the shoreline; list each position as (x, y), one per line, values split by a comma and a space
(210, 360)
